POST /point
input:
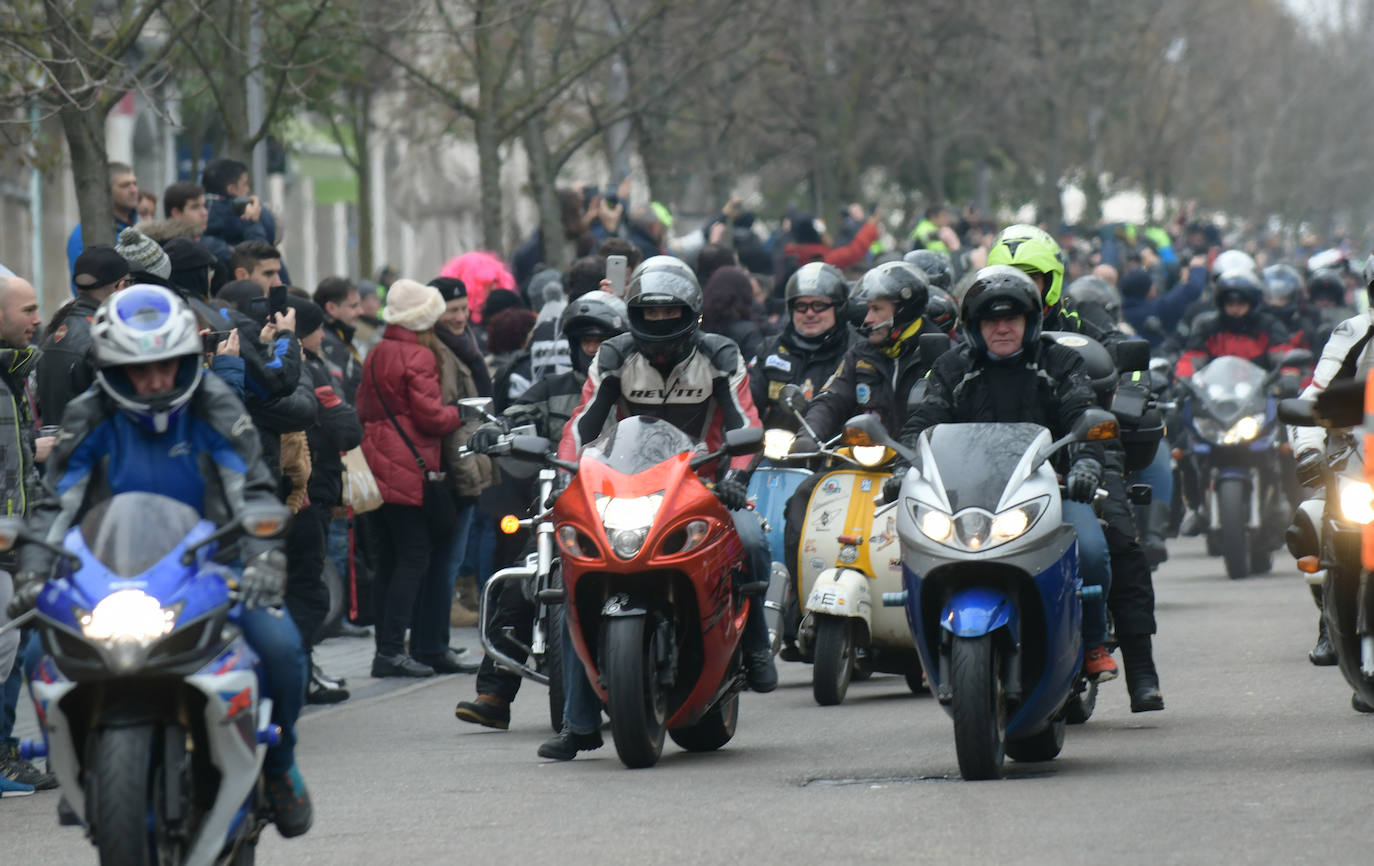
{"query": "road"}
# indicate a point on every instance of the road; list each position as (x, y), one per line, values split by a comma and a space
(1258, 759)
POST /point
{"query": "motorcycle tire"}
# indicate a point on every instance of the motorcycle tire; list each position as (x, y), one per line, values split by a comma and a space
(338, 594)
(120, 791)
(1044, 746)
(1233, 503)
(247, 854)
(834, 665)
(715, 729)
(553, 664)
(979, 707)
(635, 699)
(915, 680)
(1080, 707)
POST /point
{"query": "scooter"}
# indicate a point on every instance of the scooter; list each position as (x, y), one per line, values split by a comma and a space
(148, 696)
(652, 576)
(992, 591)
(772, 482)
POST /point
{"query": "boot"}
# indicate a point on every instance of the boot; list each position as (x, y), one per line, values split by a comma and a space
(1142, 682)
(1323, 655)
(1153, 520)
(463, 614)
(489, 711)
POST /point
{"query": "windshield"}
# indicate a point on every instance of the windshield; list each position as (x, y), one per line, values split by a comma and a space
(1230, 384)
(639, 443)
(130, 533)
(976, 460)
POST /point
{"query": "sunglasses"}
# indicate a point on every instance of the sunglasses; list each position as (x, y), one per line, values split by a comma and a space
(813, 307)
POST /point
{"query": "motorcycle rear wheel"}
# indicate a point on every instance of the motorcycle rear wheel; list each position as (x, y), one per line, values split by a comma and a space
(1080, 707)
(979, 707)
(1234, 507)
(714, 730)
(121, 788)
(834, 665)
(1044, 746)
(635, 700)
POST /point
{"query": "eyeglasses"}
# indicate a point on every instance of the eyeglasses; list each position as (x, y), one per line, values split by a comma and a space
(813, 307)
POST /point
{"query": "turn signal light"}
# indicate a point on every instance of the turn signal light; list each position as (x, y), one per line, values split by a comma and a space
(855, 436)
(1177, 453)
(851, 539)
(1102, 432)
(510, 524)
(1309, 564)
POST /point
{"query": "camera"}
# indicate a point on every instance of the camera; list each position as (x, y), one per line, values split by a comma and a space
(263, 309)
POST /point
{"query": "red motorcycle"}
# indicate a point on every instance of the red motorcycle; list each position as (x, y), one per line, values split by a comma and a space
(654, 581)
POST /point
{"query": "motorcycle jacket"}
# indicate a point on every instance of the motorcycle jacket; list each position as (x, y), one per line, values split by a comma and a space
(66, 367)
(792, 359)
(870, 380)
(704, 395)
(1346, 355)
(1253, 337)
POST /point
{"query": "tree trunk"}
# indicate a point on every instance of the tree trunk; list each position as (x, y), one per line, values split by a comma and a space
(85, 133)
(543, 180)
(234, 105)
(489, 179)
(362, 127)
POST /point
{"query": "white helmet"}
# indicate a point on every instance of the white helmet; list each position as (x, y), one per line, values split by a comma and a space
(1233, 260)
(141, 325)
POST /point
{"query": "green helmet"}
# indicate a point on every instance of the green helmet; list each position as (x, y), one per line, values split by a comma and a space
(1032, 250)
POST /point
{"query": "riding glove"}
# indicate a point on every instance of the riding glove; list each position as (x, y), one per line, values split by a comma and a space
(1310, 463)
(27, 586)
(803, 444)
(892, 487)
(733, 490)
(1084, 477)
(485, 437)
(263, 580)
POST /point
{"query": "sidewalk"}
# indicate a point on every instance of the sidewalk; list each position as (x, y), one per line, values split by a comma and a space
(339, 657)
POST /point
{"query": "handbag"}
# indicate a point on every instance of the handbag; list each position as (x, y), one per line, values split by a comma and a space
(360, 490)
(441, 511)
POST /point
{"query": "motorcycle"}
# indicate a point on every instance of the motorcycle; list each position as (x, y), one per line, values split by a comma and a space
(149, 697)
(992, 593)
(1235, 441)
(652, 569)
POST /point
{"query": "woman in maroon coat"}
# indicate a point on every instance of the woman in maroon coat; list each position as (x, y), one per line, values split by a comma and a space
(401, 374)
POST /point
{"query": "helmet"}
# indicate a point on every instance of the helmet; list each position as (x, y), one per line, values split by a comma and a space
(942, 311)
(904, 286)
(1232, 260)
(663, 281)
(1369, 272)
(1282, 286)
(1240, 285)
(1098, 293)
(1326, 284)
(140, 325)
(1000, 290)
(817, 280)
(939, 273)
(595, 314)
(1033, 251)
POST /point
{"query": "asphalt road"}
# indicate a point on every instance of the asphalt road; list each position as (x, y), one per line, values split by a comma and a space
(1258, 759)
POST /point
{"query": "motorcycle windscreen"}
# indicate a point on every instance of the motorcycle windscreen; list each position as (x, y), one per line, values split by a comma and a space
(1231, 386)
(132, 532)
(977, 460)
(639, 443)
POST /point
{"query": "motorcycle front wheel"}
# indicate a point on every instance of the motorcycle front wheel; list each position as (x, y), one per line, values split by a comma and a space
(979, 707)
(119, 790)
(635, 699)
(834, 664)
(1233, 506)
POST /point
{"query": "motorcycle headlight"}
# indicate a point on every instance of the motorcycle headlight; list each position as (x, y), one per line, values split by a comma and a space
(1208, 429)
(1357, 501)
(128, 615)
(777, 443)
(1243, 430)
(627, 520)
(935, 524)
(975, 529)
(870, 456)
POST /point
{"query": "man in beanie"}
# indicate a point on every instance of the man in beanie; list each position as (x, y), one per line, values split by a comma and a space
(66, 367)
(1157, 318)
(143, 255)
(454, 331)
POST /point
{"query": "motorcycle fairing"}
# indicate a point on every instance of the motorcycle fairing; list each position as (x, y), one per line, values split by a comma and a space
(979, 610)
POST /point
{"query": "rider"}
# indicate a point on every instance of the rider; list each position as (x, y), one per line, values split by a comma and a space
(156, 423)
(1238, 326)
(809, 348)
(666, 367)
(1286, 299)
(586, 322)
(941, 309)
(1005, 371)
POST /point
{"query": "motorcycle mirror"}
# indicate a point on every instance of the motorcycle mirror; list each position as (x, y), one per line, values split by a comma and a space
(474, 408)
(793, 398)
(11, 531)
(1297, 412)
(867, 430)
(1296, 358)
(1095, 425)
(266, 521)
(931, 347)
(1133, 355)
(1341, 404)
(743, 440)
(529, 447)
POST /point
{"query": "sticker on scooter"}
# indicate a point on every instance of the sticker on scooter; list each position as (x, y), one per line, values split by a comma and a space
(866, 485)
(831, 486)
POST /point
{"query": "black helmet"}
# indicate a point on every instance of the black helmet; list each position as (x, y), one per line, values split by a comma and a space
(817, 280)
(903, 285)
(941, 310)
(1001, 290)
(1238, 285)
(658, 282)
(1369, 273)
(939, 272)
(1282, 286)
(595, 314)
(1097, 292)
(1326, 284)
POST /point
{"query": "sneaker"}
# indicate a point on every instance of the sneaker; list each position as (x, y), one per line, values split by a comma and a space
(565, 745)
(760, 671)
(290, 801)
(488, 710)
(16, 769)
(448, 662)
(1098, 665)
(399, 665)
(11, 788)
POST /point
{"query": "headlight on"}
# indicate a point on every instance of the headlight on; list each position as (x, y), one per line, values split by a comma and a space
(870, 456)
(777, 443)
(128, 615)
(1014, 522)
(627, 520)
(1243, 430)
(1357, 501)
(936, 524)
(973, 528)
(1208, 429)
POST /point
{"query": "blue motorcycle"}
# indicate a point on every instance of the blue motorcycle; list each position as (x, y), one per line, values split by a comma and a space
(149, 698)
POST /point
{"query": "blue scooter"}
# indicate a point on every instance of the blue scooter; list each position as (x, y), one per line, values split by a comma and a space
(770, 486)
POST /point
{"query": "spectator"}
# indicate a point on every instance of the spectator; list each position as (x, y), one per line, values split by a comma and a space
(621, 247)
(147, 205)
(808, 245)
(712, 258)
(548, 349)
(146, 259)
(233, 223)
(728, 310)
(338, 298)
(257, 261)
(481, 273)
(576, 215)
(454, 332)
(66, 368)
(404, 418)
(507, 337)
(124, 193)
(368, 329)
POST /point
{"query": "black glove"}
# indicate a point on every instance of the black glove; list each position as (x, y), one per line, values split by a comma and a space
(892, 487)
(803, 444)
(1084, 477)
(27, 586)
(263, 580)
(733, 490)
(484, 437)
(1310, 464)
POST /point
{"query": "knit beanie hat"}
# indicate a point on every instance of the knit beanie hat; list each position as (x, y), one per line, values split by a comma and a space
(309, 316)
(1135, 284)
(450, 288)
(412, 306)
(142, 253)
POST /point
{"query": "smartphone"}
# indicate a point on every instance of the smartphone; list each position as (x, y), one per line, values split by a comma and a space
(210, 342)
(615, 272)
(240, 204)
(276, 300)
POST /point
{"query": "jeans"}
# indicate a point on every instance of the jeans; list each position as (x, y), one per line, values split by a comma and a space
(9, 703)
(581, 706)
(274, 637)
(336, 547)
(1158, 474)
(1094, 567)
(750, 530)
(429, 622)
(9, 641)
(402, 568)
